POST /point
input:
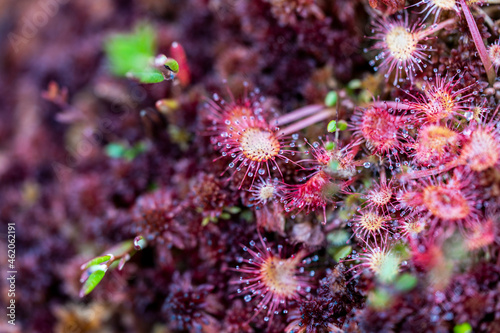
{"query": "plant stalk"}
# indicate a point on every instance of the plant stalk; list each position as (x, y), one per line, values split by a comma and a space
(295, 127)
(297, 114)
(478, 40)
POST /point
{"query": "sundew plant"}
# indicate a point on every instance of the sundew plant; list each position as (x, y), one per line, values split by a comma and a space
(298, 166)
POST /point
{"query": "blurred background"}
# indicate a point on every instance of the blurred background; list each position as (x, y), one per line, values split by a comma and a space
(79, 145)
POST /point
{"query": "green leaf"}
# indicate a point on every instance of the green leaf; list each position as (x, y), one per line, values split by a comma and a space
(343, 252)
(330, 145)
(151, 76)
(354, 84)
(96, 261)
(92, 282)
(402, 250)
(338, 237)
(331, 98)
(129, 155)
(114, 264)
(406, 282)
(140, 147)
(332, 126)
(121, 249)
(334, 165)
(131, 52)
(119, 150)
(379, 298)
(342, 125)
(233, 209)
(389, 268)
(462, 328)
(205, 221)
(115, 150)
(153, 186)
(172, 65)
(247, 215)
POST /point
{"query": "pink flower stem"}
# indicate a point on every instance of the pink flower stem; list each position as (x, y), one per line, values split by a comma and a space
(297, 114)
(383, 177)
(435, 27)
(325, 114)
(478, 40)
(391, 105)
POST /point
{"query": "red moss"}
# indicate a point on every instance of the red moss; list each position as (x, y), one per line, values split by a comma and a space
(189, 307)
(288, 11)
(209, 196)
(156, 219)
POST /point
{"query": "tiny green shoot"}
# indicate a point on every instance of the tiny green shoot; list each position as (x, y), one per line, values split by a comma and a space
(332, 126)
(331, 99)
(462, 328)
(132, 55)
(405, 282)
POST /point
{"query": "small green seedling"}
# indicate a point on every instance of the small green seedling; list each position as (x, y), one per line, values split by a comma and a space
(330, 145)
(95, 269)
(342, 125)
(132, 55)
(462, 328)
(331, 99)
(405, 282)
(121, 150)
(171, 65)
(332, 126)
(342, 252)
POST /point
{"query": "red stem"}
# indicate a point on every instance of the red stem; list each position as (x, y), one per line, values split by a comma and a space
(325, 114)
(297, 114)
(478, 40)
(391, 105)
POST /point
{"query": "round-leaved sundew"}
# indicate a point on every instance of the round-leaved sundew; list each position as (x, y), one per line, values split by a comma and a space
(241, 132)
(272, 279)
